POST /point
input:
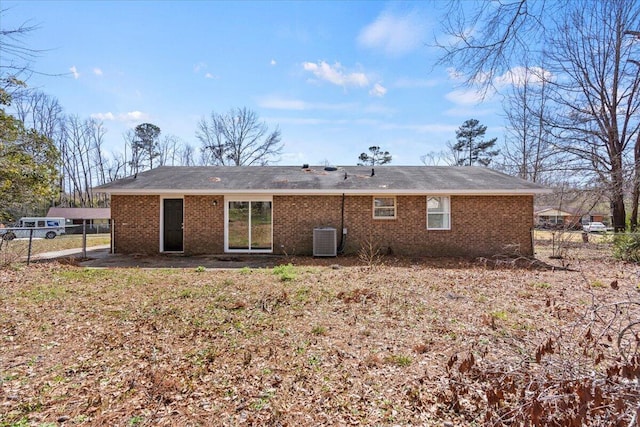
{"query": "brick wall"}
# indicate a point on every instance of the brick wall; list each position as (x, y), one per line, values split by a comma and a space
(295, 217)
(203, 225)
(136, 223)
(480, 225)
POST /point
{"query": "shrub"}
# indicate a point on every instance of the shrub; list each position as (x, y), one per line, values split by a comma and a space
(626, 247)
(286, 272)
(399, 360)
(369, 253)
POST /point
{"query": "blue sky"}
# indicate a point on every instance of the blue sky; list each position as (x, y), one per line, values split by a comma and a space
(336, 77)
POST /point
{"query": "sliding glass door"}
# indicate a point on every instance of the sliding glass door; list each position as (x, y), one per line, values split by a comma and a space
(249, 226)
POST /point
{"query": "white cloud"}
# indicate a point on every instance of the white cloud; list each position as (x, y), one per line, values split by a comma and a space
(465, 97)
(103, 116)
(201, 67)
(335, 74)
(273, 62)
(136, 115)
(518, 76)
(131, 116)
(75, 72)
(97, 71)
(394, 34)
(378, 90)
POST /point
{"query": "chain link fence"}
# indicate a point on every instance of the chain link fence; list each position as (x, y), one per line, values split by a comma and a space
(23, 244)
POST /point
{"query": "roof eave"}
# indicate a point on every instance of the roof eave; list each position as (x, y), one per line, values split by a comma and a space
(333, 192)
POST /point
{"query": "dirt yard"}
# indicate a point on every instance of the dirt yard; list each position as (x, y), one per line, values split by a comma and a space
(322, 342)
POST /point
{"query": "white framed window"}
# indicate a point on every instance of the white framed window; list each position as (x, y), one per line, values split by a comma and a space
(438, 213)
(384, 207)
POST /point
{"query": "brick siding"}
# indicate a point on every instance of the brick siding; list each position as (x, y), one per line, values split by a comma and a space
(480, 225)
(203, 225)
(136, 224)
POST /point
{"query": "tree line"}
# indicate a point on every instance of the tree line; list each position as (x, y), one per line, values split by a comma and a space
(39, 139)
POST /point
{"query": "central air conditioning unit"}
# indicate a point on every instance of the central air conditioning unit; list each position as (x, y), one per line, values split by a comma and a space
(324, 242)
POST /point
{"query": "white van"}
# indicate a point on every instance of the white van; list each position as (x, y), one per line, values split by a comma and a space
(41, 227)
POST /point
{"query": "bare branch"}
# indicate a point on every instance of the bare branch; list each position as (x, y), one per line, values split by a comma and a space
(237, 138)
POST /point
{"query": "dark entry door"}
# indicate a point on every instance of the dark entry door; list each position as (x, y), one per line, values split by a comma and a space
(173, 225)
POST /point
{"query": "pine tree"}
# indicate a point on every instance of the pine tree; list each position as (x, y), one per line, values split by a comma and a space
(377, 157)
(470, 148)
(145, 145)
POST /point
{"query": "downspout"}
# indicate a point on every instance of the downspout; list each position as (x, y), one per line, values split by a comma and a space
(343, 235)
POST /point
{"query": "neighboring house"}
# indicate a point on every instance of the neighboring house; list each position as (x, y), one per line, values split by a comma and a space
(97, 219)
(567, 219)
(405, 210)
(556, 218)
(597, 217)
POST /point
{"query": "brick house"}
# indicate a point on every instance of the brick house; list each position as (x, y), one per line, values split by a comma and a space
(557, 218)
(405, 210)
(570, 218)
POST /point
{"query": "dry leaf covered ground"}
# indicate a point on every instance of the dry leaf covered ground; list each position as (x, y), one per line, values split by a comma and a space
(307, 344)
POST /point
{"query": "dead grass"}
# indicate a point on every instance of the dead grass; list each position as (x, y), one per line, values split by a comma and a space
(571, 236)
(14, 250)
(355, 345)
(68, 241)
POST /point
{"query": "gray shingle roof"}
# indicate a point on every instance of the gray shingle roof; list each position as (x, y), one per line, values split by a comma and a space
(80, 213)
(317, 180)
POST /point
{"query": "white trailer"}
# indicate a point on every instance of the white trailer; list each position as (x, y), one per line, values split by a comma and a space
(41, 227)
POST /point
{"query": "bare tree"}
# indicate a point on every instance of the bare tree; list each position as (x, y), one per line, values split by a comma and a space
(187, 155)
(169, 149)
(636, 152)
(598, 96)
(115, 167)
(591, 83)
(75, 154)
(84, 162)
(528, 151)
(15, 66)
(44, 114)
(133, 158)
(238, 138)
(98, 159)
(484, 39)
(432, 158)
(41, 112)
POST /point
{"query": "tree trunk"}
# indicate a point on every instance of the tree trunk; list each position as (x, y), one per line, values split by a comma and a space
(619, 216)
(633, 221)
(617, 191)
(635, 197)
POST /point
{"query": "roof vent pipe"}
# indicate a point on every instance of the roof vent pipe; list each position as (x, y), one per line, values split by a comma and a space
(373, 171)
